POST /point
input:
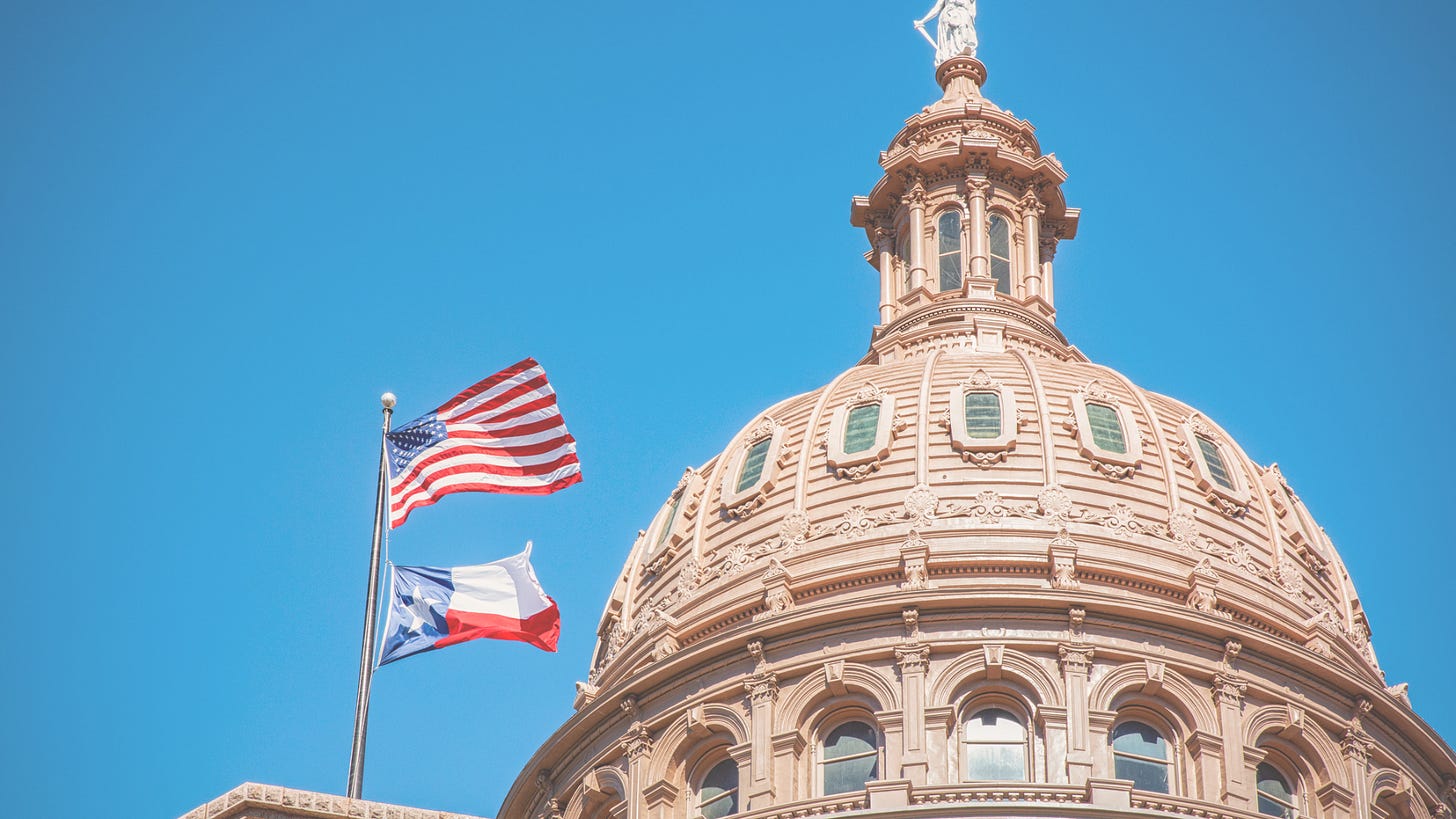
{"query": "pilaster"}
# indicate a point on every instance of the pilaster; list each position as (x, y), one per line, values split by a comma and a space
(1076, 660)
(913, 660)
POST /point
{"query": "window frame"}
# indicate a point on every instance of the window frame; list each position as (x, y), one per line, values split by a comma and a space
(959, 252)
(669, 526)
(710, 762)
(1292, 782)
(1164, 730)
(833, 724)
(1113, 464)
(859, 464)
(981, 706)
(984, 451)
(1235, 500)
(1010, 220)
(741, 504)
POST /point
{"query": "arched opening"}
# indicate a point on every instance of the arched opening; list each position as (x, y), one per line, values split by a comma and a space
(1142, 754)
(948, 250)
(1001, 253)
(716, 794)
(995, 747)
(849, 758)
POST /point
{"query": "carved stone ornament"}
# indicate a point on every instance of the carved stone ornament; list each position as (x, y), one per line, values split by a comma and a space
(1229, 689)
(637, 742)
(855, 466)
(741, 503)
(920, 505)
(911, 617)
(1232, 501)
(1075, 659)
(984, 452)
(912, 659)
(762, 687)
(1062, 554)
(914, 562)
(1115, 465)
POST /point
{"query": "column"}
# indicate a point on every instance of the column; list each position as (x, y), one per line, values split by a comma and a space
(913, 661)
(1076, 663)
(763, 690)
(979, 244)
(637, 745)
(1228, 694)
(885, 247)
(1048, 253)
(1031, 213)
(916, 197)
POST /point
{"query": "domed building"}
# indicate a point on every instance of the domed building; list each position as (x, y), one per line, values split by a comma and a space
(975, 575)
(979, 574)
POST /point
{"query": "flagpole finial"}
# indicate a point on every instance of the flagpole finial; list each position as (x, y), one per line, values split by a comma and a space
(388, 400)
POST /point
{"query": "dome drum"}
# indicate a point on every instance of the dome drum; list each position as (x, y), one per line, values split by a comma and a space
(979, 575)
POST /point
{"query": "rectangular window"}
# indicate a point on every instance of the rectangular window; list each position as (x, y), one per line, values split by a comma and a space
(860, 428)
(1146, 775)
(1213, 459)
(1106, 426)
(983, 414)
(753, 465)
(950, 272)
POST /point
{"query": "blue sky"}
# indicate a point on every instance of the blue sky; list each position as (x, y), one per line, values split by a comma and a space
(226, 228)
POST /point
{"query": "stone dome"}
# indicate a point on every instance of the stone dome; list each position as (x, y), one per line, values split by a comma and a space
(1041, 508)
(976, 520)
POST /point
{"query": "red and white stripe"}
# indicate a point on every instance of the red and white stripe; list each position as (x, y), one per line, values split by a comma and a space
(506, 435)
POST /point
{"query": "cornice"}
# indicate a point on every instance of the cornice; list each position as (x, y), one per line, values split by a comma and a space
(248, 797)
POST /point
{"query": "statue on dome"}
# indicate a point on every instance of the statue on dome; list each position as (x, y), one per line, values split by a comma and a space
(955, 30)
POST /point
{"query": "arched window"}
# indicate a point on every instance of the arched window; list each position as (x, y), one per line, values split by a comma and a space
(718, 792)
(995, 747)
(850, 759)
(1001, 253)
(1140, 753)
(902, 250)
(1276, 798)
(948, 250)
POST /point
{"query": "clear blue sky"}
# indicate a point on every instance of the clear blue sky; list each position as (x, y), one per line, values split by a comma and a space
(225, 228)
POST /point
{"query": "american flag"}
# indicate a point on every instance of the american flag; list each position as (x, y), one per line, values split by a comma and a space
(504, 434)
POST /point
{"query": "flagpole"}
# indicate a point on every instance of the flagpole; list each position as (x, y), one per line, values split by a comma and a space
(371, 613)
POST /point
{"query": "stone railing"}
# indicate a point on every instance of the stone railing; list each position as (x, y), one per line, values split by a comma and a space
(1164, 803)
(973, 794)
(253, 801)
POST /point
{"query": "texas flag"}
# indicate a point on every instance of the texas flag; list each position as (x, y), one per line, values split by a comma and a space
(432, 608)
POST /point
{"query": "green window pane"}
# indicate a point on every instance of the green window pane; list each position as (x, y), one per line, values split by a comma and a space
(996, 762)
(1145, 775)
(983, 414)
(753, 464)
(950, 272)
(1140, 753)
(719, 795)
(851, 758)
(860, 428)
(950, 232)
(1276, 798)
(1106, 426)
(1001, 272)
(1000, 238)
(1213, 459)
(671, 517)
(1001, 254)
(995, 744)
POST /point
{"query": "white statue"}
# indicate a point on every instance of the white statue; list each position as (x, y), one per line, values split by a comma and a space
(955, 30)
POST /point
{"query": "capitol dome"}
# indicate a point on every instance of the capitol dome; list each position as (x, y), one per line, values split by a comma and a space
(979, 573)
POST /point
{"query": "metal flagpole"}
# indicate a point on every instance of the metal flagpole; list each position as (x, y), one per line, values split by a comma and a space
(371, 613)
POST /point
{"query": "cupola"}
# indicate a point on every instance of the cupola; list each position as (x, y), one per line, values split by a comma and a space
(964, 225)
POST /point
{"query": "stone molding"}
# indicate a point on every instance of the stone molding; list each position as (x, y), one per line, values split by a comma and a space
(252, 800)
